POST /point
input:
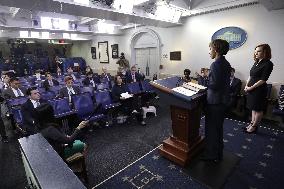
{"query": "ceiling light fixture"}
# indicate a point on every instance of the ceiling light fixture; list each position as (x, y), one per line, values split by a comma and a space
(34, 34)
(124, 6)
(167, 13)
(83, 2)
(45, 35)
(24, 34)
(104, 27)
(138, 2)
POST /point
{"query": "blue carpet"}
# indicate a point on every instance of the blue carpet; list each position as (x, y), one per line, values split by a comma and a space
(261, 164)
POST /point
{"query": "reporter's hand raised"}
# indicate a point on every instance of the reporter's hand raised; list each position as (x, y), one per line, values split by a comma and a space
(82, 124)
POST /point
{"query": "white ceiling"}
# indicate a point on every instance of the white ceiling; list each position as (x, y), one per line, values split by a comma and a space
(18, 14)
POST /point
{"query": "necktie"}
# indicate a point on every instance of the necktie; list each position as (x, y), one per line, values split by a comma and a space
(19, 92)
(133, 78)
(37, 104)
(231, 82)
(92, 82)
(50, 83)
(69, 95)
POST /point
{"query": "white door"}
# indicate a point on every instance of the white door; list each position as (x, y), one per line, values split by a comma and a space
(146, 60)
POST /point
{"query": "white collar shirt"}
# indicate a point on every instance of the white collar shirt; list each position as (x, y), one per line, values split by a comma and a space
(17, 92)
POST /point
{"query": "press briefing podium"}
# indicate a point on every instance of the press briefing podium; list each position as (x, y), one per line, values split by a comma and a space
(186, 140)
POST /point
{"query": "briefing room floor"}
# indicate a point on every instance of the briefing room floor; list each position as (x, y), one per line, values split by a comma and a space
(110, 149)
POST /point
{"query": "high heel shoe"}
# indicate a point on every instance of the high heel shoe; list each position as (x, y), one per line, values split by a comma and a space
(253, 131)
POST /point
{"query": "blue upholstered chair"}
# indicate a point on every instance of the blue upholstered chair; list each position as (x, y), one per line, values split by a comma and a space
(85, 107)
(47, 95)
(55, 89)
(88, 90)
(134, 88)
(15, 102)
(146, 87)
(61, 107)
(108, 107)
(62, 110)
(104, 99)
(103, 86)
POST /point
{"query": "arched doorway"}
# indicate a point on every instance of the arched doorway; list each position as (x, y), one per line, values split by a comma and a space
(146, 51)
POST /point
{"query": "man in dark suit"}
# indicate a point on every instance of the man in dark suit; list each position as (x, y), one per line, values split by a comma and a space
(69, 89)
(72, 74)
(217, 99)
(235, 88)
(2, 126)
(5, 83)
(15, 89)
(89, 80)
(49, 82)
(28, 110)
(133, 76)
(105, 77)
(203, 77)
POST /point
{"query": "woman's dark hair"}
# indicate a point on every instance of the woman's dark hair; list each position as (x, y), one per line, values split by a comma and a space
(186, 72)
(45, 113)
(220, 46)
(46, 73)
(115, 78)
(91, 70)
(266, 50)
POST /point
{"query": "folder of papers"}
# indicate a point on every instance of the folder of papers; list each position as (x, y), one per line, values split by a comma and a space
(126, 95)
(189, 89)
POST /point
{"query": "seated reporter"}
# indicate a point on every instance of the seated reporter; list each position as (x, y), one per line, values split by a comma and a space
(69, 89)
(72, 74)
(15, 90)
(132, 104)
(49, 82)
(5, 80)
(133, 75)
(234, 91)
(203, 78)
(88, 70)
(28, 109)
(3, 133)
(50, 130)
(89, 80)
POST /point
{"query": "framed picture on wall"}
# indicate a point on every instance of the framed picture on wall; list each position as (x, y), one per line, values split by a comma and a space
(114, 51)
(93, 52)
(103, 52)
(175, 55)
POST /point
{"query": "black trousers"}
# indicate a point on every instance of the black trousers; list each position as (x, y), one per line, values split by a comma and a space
(2, 128)
(214, 119)
(130, 104)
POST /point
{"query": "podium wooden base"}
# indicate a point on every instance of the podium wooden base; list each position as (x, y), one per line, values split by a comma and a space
(180, 152)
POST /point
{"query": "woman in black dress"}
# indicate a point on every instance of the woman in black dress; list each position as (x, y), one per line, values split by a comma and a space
(256, 86)
(129, 105)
